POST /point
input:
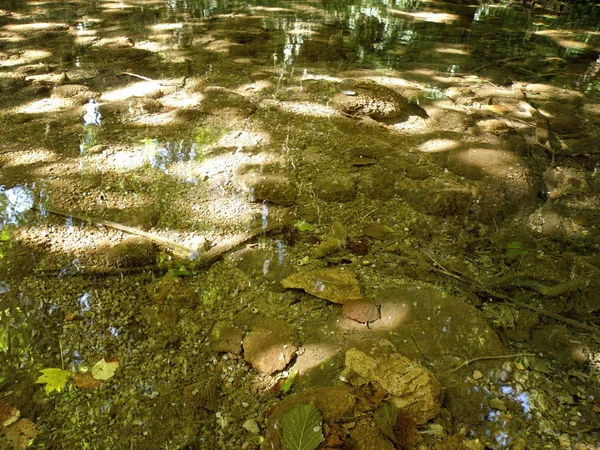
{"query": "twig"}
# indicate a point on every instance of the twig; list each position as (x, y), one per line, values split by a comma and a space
(203, 260)
(141, 77)
(484, 358)
(548, 291)
(592, 329)
(477, 69)
(180, 249)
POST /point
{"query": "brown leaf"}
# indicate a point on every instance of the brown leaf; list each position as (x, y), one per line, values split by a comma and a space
(405, 430)
(363, 311)
(8, 414)
(333, 436)
(20, 434)
(86, 381)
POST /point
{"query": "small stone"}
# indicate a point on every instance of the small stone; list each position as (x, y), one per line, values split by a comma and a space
(497, 404)
(279, 189)
(335, 285)
(477, 375)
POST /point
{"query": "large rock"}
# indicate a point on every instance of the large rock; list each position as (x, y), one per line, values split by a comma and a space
(412, 387)
(373, 100)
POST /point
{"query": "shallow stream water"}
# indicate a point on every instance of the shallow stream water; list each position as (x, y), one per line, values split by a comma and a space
(200, 200)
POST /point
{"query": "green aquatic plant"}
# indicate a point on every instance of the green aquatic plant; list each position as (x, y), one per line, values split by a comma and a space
(301, 225)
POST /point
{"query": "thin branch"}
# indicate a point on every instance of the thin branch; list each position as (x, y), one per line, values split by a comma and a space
(485, 358)
(178, 248)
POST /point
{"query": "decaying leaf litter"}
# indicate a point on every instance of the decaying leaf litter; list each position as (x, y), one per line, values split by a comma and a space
(464, 226)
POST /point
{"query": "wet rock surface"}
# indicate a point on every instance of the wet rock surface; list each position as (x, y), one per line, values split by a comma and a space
(269, 348)
(373, 100)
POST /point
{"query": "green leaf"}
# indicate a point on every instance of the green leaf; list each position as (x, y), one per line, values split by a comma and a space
(3, 338)
(287, 385)
(104, 370)
(515, 248)
(54, 379)
(180, 271)
(302, 428)
(385, 419)
(304, 226)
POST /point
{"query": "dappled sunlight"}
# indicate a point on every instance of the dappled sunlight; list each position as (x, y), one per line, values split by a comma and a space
(314, 355)
(453, 50)
(244, 139)
(487, 161)
(217, 197)
(439, 145)
(563, 38)
(308, 109)
(24, 57)
(43, 106)
(27, 157)
(134, 90)
(432, 17)
(36, 26)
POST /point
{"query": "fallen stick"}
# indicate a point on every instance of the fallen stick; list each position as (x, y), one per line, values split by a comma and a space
(569, 285)
(178, 248)
(195, 260)
(485, 358)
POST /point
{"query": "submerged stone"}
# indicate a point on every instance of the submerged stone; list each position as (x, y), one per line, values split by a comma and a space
(335, 285)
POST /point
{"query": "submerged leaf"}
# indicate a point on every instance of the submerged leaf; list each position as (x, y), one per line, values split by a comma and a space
(385, 419)
(302, 429)
(54, 379)
(104, 370)
(86, 381)
(304, 226)
(287, 385)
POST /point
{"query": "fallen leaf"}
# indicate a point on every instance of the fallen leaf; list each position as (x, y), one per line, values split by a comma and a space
(86, 381)
(21, 434)
(8, 414)
(105, 369)
(54, 379)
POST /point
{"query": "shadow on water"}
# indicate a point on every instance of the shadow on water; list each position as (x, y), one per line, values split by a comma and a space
(213, 212)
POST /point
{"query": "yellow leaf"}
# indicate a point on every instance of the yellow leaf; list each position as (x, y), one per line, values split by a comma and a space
(54, 379)
(104, 370)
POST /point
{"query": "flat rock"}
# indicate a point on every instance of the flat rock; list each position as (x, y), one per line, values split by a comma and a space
(76, 93)
(269, 348)
(373, 100)
(335, 285)
(412, 387)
